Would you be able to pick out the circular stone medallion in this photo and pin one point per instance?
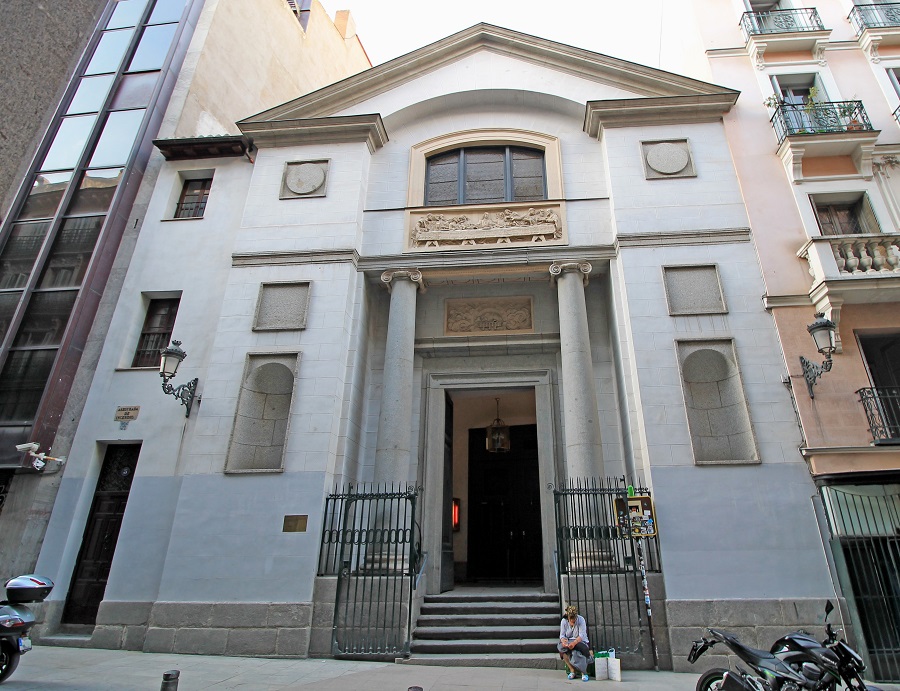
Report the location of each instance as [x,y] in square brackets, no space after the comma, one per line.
[304,178]
[667,158]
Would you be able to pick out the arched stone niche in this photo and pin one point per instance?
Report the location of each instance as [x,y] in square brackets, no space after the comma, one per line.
[263,411]
[718,416]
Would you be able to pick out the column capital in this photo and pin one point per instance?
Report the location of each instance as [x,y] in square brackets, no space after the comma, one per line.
[413,275]
[557,269]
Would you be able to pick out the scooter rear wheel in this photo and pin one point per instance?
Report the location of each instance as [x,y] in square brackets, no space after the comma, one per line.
[712,680]
[9,660]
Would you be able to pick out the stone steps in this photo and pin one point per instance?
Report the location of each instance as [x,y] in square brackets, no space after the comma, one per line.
[485,628]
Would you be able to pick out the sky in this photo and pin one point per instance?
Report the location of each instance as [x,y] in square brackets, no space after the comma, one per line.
[627,29]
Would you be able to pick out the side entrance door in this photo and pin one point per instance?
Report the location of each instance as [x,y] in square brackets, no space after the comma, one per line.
[101,534]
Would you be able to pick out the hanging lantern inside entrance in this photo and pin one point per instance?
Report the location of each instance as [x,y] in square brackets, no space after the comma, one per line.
[497,435]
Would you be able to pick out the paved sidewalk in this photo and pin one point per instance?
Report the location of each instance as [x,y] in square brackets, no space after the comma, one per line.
[49,668]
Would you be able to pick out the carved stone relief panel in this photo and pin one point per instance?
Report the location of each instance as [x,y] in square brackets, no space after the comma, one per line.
[481,316]
[667,159]
[442,228]
[304,179]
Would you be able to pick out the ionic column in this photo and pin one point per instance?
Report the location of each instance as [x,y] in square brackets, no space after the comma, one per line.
[584,454]
[392,448]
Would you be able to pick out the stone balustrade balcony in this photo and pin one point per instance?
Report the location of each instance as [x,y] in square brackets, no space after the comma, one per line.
[852,269]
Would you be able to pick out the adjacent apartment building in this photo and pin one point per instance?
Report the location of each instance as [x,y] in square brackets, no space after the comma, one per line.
[130,70]
[421,315]
[815,141]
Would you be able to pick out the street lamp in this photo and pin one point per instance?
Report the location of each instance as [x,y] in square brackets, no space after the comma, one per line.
[822,331]
[170,358]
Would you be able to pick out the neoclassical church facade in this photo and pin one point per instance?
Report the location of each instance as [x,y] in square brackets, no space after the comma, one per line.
[493,235]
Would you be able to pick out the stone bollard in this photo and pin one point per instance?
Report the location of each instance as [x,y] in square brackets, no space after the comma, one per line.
[170,680]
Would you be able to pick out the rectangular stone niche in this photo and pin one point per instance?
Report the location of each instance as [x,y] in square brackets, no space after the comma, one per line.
[483,316]
[282,306]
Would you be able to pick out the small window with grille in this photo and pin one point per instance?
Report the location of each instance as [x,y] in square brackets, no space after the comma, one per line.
[192,201]
[156,332]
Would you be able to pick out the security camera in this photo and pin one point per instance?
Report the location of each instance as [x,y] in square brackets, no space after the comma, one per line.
[30,447]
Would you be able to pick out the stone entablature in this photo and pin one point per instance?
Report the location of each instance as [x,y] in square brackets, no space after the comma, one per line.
[479,316]
[509,224]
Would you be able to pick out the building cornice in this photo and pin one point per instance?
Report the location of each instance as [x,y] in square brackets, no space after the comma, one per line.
[666,110]
[347,128]
[776,301]
[686,237]
[603,69]
[189,148]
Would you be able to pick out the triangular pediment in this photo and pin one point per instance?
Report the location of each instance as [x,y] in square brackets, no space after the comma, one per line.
[640,80]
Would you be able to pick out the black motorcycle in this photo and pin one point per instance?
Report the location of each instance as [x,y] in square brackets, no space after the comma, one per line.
[16,619]
[795,662]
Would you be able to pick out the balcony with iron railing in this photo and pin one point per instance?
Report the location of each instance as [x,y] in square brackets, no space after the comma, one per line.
[782,31]
[876,25]
[820,118]
[882,407]
[828,129]
[780,22]
[878,16]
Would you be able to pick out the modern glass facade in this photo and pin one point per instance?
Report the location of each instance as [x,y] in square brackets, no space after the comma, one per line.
[72,211]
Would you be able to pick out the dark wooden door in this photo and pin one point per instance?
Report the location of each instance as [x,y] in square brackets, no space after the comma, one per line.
[504,509]
[101,535]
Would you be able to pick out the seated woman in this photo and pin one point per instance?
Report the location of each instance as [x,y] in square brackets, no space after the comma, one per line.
[573,643]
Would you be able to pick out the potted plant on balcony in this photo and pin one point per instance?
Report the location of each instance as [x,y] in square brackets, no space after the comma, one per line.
[850,111]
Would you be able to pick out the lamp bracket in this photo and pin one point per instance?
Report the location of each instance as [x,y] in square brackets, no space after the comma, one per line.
[812,372]
[184,392]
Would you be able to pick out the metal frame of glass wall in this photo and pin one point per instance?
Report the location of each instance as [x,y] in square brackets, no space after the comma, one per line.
[63,230]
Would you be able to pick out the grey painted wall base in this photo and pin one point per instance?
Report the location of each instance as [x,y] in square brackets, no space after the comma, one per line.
[757,623]
[205,628]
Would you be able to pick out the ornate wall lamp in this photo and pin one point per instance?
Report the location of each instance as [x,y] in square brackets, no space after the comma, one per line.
[822,331]
[170,358]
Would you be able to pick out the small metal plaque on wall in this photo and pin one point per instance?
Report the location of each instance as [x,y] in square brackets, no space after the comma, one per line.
[127,413]
[295,524]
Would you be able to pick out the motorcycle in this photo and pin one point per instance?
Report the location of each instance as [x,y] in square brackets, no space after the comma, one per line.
[16,619]
[795,662]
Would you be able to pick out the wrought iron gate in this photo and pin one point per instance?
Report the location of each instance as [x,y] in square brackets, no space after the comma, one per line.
[865,529]
[599,563]
[372,543]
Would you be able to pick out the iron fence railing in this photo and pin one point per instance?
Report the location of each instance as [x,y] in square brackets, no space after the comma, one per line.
[372,542]
[599,562]
[190,209]
[865,523]
[820,118]
[877,16]
[882,407]
[780,22]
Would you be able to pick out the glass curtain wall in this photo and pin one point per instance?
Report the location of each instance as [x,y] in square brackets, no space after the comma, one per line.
[50,238]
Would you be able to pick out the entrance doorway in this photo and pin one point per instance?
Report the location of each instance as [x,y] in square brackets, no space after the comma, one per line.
[504,537]
[100,534]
